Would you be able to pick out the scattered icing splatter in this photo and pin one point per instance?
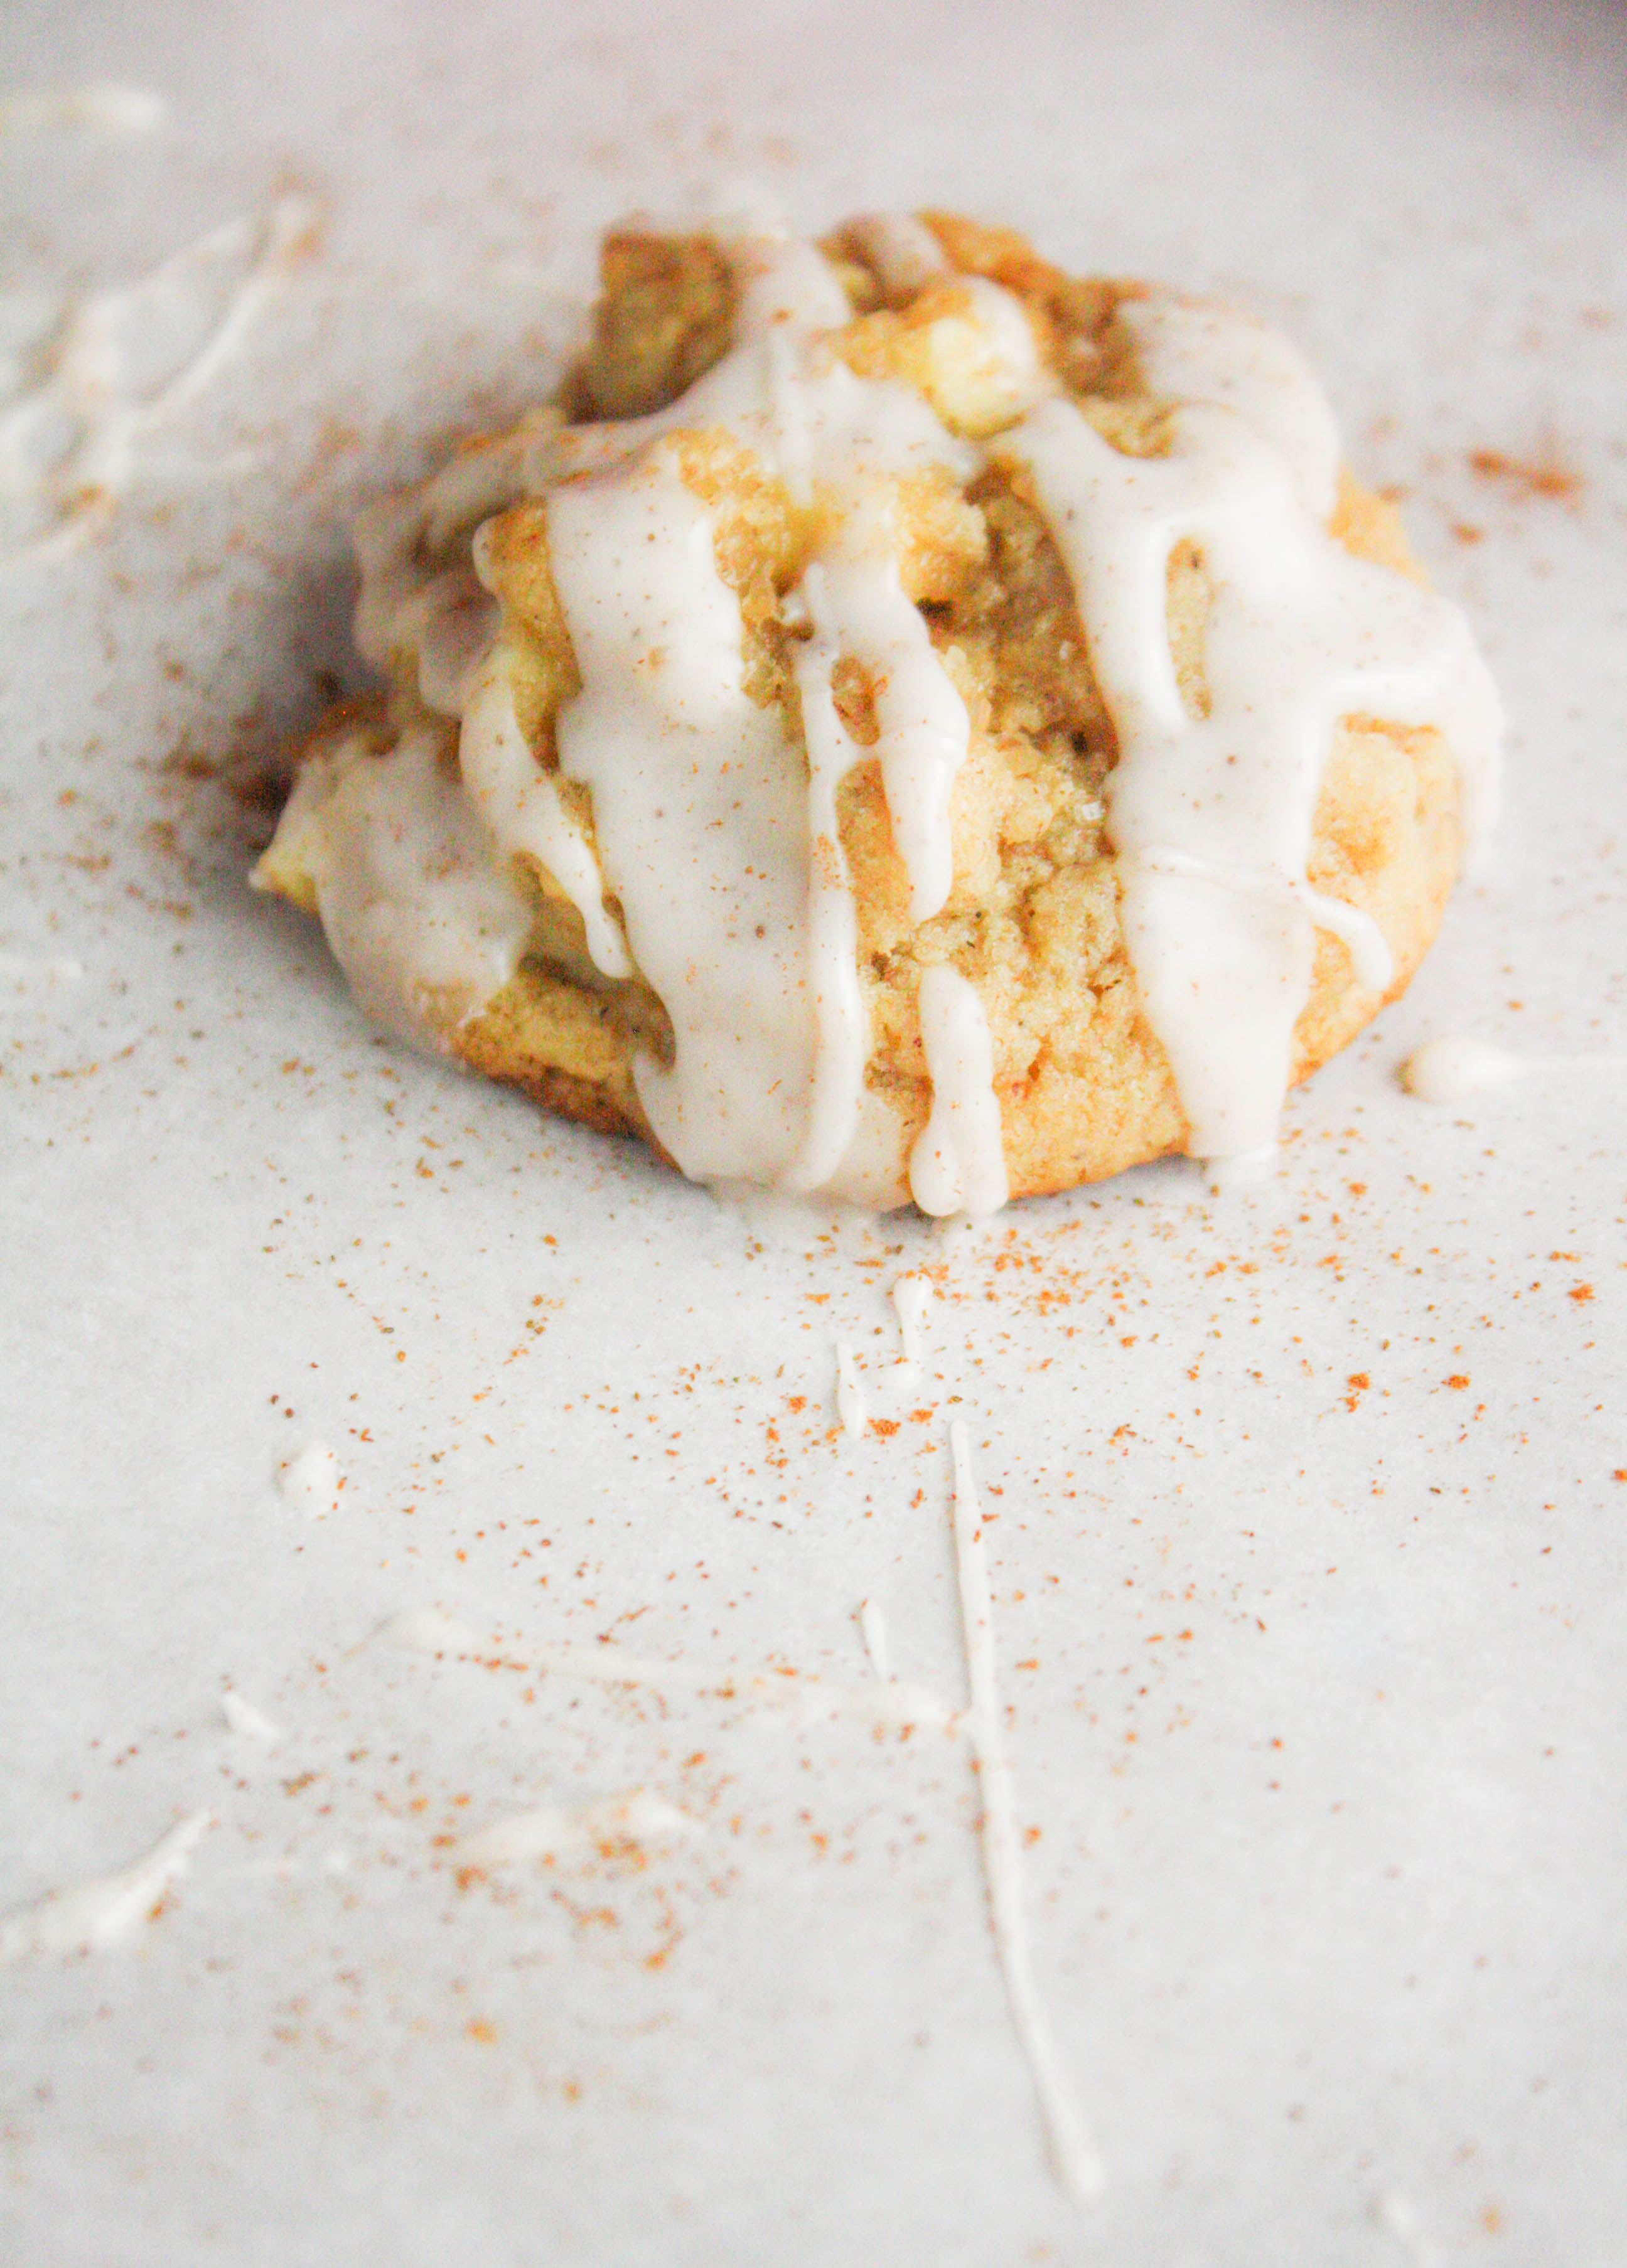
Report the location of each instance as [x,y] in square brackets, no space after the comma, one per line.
[1074,2154]
[554,1832]
[25,978]
[100,107]
[1398,2217]
[632,1821]
[850,1394]
[312,1478]
[804,1700]
[92,383]
[1451,1069]
[807,1700]
[912,1296]
[1455,1069]
[86,1917]
[243,1718]
[425,1629]
[872,1630]
[1244,1169]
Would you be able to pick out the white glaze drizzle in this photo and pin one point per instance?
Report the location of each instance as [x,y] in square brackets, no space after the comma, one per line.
[700,812]
[1399,2218]
[26,978]
[637,1821]
[850,1394]
[780,391]
[1451,1069]
[912,1299]
[412,602]
[109,373]
[249,1723]
[1240,1169]
[898,1705]
[428,1630]
[958,1164]
[1195,350]
[843,1040]
[903,251]
[1075,2156]
[311,1479]
[521,804]
[872,1630]
[770,1041]
[450,623]
[1298,635]
[1371,957]
[1455,1069]
[423,922]
[890,1703]
[100,107]
[923,730]
[87,1916]
[784,281]
[995,339]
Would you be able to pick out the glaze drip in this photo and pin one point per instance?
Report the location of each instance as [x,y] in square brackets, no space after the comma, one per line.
[426,924]
[740,911]
[1212,816]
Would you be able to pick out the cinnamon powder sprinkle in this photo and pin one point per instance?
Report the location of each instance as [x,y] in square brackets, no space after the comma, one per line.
[1547,475]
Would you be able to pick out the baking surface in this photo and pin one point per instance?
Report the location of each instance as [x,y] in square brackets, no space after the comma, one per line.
[1308,1563]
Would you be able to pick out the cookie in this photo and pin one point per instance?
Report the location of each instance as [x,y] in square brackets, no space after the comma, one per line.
[907,723]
